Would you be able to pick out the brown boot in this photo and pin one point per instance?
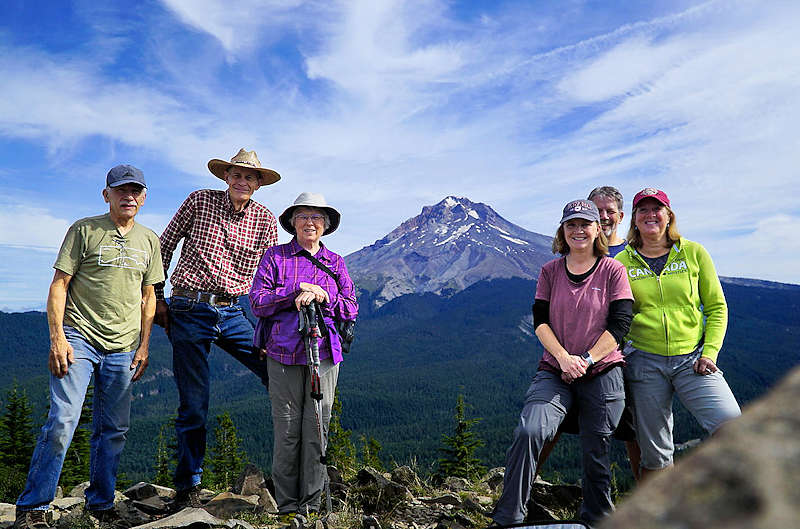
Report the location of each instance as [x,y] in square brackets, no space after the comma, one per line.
[187,498]
[30,520]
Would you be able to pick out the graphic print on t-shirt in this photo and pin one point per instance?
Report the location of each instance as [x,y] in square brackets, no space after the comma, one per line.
[122,256]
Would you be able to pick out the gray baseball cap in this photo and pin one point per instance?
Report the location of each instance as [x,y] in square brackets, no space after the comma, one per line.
[580,209]
[124,174]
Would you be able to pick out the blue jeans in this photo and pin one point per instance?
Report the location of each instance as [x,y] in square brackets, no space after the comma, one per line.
[193,328]
[111,419]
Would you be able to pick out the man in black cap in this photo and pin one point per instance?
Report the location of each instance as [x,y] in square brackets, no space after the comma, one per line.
[100,312]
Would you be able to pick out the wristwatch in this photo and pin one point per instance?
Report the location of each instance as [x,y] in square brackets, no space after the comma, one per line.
[588,357]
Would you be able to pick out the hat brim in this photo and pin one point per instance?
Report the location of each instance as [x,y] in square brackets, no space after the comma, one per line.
[265,176]
[286,217]
[584,216]
[654,197]
[128,181]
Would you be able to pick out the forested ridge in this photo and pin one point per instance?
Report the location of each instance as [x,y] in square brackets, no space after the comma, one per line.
[411,360]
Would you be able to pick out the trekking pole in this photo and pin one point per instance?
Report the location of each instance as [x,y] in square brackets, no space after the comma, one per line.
[313,314]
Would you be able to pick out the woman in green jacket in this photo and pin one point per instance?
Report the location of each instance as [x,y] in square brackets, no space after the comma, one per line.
[679,321]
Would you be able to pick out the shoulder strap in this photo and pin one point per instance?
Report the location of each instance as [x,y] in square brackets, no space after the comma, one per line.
[321,266]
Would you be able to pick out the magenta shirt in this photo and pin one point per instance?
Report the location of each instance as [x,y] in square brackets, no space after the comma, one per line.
[277,284]
[579,311]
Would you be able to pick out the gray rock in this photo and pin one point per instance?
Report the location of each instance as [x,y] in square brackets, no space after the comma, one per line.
[59,492]
[473,503]
[336,481]
[78,490]
[235,523]
[250,481]
[553,502]
[153,505]
[227,504]
[377,492]
[8,513]
[405,476]
[196,518]
[370,522]
[164,492]
[444,499]
[494,479]
[67,504]
[141,491]
[266,503]
[207,495]
[131,514]
[456,484]
[745,476]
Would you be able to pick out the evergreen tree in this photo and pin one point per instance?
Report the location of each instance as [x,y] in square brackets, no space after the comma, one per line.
[370,448]
[76,460]
[341,452]
[16,431]
[459,451]
[166,454]
[227,459]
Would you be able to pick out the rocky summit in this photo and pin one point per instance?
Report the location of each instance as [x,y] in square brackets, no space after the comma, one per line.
[368,499]
[446,248]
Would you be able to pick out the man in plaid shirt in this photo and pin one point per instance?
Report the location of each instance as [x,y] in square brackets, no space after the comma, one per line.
[224,236]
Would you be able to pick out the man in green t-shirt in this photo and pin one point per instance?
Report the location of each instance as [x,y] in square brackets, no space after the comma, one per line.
[100,312]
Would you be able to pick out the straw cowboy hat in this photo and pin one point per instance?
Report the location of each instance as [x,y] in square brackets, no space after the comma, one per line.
[246,160]
[310,200]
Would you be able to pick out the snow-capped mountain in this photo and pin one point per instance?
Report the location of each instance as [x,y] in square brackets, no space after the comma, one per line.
[446,248]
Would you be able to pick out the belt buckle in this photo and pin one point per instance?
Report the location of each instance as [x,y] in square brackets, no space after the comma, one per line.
[212,299]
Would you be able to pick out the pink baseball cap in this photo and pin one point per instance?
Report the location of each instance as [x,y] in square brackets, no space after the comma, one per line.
[651,192]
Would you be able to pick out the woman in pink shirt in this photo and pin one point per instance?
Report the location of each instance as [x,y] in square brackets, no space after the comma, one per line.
[581,313]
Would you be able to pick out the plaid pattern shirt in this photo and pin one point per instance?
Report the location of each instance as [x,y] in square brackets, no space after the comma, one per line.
[221,247]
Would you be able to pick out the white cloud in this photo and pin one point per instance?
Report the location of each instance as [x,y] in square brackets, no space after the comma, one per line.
[237,24]
[31,227]
[775,237]
[628,68]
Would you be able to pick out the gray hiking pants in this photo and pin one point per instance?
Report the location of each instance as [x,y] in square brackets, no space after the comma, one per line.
[600,401]
[296,469]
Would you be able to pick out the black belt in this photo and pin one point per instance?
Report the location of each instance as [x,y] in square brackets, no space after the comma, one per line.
[220,300]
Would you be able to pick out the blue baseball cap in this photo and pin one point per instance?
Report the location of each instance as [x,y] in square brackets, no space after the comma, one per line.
[125,174]
[580,209]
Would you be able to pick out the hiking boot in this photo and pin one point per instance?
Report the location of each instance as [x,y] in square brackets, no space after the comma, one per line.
[187,498]
[109,519]
[30,520]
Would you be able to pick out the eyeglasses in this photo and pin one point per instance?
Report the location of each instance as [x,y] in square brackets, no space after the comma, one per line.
[316,219]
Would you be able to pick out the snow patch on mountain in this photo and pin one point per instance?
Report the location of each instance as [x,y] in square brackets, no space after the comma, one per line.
[446,248]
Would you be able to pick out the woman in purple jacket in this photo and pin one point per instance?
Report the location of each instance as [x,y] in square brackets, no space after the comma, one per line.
[287,279]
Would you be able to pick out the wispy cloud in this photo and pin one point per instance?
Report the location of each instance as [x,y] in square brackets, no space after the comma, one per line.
[237,24]
[387,106]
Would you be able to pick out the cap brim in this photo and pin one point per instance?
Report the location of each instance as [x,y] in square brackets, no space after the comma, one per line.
[285,218]
[265,176]
[584,216]
[128,181]
[654,197]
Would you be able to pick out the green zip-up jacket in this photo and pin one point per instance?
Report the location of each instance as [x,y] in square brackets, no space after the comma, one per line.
[668,309]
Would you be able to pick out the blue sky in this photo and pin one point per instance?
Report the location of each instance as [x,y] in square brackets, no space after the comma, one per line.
[387,106]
